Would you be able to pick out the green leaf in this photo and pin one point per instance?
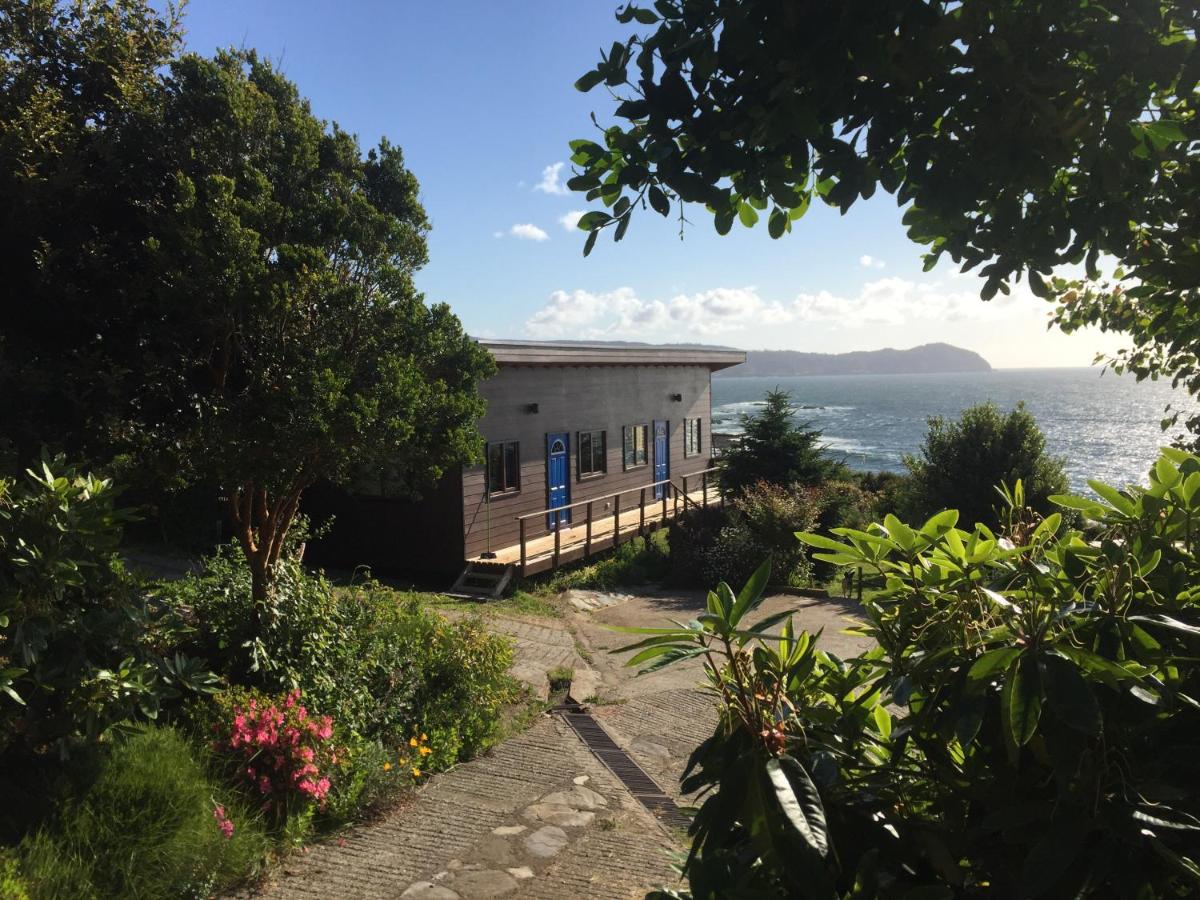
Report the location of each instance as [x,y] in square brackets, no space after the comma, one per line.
[590,242]
[1021,702]
[589,80]
[746,215]
[992,662]
[594,219]
[777,223]
[799,802]
[658,201]
[1114,497]
[751,593]
[1069,695]
[1165,621]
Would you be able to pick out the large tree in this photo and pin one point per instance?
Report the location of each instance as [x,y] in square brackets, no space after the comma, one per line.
[1021,137]
[252,317]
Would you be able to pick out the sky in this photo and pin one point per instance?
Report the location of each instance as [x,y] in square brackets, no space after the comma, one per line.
[480,97]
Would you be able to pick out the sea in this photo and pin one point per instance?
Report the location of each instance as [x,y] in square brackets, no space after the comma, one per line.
[1105,426]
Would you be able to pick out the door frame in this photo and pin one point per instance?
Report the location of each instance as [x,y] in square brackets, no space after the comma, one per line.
[562,517]
[666,461]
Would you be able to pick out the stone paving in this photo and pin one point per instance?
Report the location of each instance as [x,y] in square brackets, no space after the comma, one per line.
[540,817]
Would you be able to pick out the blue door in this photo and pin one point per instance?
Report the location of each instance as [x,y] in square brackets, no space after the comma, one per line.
[558,481]
[662,457]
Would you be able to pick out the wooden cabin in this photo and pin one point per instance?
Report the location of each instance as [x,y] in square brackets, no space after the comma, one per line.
[587,445]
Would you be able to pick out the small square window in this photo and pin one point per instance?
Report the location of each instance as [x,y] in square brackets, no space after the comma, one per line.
[504,467]
[635,445]
[593,454]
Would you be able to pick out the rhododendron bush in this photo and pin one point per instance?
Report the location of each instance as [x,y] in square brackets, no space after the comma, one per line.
[278,750]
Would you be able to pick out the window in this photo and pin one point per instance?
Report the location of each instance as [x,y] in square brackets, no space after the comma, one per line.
[691,437]
[635,445]
[592,454]
[504,467]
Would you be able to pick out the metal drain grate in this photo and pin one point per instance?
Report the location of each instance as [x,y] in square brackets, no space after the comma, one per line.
[644,789]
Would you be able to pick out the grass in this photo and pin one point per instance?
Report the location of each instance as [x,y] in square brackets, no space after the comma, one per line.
[643,560]
[144,827]
[560,678]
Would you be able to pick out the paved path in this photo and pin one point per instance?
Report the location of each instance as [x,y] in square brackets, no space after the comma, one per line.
[540,817]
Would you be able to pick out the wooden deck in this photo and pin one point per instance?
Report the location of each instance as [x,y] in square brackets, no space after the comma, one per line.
[594,532]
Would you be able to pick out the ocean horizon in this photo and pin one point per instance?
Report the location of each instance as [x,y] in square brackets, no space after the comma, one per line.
[1105,426]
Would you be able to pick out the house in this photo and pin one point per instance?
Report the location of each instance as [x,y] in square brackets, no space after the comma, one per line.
[587,445]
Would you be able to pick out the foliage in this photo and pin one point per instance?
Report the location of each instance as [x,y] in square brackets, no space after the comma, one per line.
[250,320]
[282,754]
[144,827]
[1025,727]
[1093,152]
[381,663]
[77,652]
[962,463]
[80,100]
[640,561]
[715,544]
[774,449]
[12,886]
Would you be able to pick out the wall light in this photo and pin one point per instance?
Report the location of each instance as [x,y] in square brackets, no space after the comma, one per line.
[678,398]
[531,408]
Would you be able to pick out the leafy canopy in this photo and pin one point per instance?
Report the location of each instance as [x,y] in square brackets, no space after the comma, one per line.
[1019,138]
[775,449]
[963,462]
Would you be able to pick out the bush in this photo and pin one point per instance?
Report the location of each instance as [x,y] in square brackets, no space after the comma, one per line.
[643,560]
[962,463]
[1025,726]
[77,637]
[714,545]
[145,827]
[382,665]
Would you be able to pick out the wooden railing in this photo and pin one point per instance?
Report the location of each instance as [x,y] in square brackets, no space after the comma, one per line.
[671,492]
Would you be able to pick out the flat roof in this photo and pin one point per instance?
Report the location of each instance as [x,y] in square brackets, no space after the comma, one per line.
[610,353]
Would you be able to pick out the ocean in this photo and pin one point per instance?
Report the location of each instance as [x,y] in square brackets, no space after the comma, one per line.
[1105,426]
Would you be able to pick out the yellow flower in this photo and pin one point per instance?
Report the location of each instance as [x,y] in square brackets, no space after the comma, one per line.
[416,772]
[412,742]
[424,736]
[425,751]
[387,767]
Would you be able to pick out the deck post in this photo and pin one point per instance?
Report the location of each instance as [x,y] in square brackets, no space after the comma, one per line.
[587,544]
[666,490]
[521,522]
[642,513]
[685,498]
[616,519]
[704,487]
[557,541]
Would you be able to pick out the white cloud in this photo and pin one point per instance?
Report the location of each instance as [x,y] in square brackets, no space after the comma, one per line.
[550,183]
[717,313]
[570,221]
[870,262]
[528,232]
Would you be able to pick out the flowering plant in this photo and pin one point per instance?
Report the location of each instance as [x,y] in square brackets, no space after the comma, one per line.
[279,749]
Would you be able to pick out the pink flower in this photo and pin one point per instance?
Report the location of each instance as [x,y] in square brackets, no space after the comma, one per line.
[227,827]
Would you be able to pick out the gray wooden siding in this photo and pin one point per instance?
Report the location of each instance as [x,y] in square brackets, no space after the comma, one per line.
[574,399]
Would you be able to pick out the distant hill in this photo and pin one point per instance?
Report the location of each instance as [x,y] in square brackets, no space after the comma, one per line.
[926,358]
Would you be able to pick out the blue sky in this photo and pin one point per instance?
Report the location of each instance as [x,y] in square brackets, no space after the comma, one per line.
[479,95]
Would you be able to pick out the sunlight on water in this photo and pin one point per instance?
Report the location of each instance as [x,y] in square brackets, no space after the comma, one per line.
[1106,427]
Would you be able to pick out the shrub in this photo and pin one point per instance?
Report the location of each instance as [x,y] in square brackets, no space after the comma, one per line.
[145,827]
[381,664]
[283,754]
[643,560]
[962,463]
[12,886]
[713,545]
[1026,726]
[774,449]
[76,633]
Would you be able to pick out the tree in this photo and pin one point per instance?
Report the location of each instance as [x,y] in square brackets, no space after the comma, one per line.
[1019,138]
[962,463]
[776,450]
[80,100]
[252,321]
